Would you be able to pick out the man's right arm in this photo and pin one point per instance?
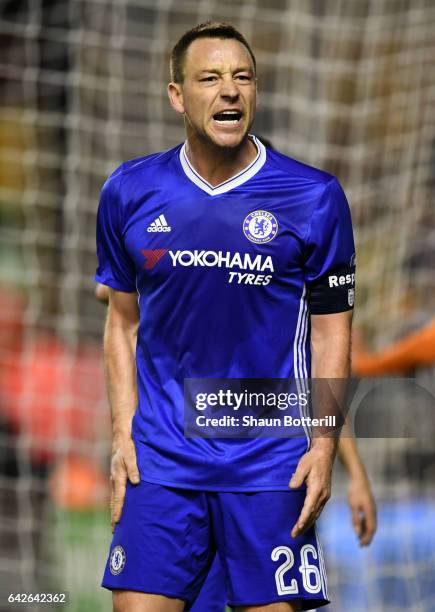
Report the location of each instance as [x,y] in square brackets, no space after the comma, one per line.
[119,356]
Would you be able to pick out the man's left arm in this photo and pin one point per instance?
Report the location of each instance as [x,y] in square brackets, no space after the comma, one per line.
[330,349]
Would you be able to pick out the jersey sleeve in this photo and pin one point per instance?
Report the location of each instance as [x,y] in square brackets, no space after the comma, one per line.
[330,254]
[115,267]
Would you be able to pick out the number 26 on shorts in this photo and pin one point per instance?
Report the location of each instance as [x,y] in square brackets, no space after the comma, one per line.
[311,578]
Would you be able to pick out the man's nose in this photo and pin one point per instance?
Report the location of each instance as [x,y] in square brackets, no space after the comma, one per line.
[229,89]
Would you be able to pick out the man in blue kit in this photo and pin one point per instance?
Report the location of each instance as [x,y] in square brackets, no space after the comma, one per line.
[224,260]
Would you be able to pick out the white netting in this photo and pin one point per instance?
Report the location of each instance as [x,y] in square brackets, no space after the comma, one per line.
[346,85]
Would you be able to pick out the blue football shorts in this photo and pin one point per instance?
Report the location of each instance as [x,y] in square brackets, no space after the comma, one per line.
[213,594]
[167,540]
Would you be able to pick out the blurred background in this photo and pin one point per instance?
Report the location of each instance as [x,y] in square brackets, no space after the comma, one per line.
[346,85]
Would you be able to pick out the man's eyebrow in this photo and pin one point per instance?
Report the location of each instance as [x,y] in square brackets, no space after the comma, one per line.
[218,71]
[244,69]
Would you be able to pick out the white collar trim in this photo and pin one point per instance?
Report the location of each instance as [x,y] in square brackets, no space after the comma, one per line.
[235,181]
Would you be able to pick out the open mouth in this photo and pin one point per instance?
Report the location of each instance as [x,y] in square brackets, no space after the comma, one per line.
[228,117]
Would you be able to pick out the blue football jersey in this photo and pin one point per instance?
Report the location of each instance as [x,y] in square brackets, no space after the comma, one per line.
[226,279]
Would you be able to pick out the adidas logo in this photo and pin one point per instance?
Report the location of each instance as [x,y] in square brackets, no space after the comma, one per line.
[159,225]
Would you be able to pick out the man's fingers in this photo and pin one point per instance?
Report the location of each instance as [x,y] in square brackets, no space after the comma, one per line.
[128,462]
[364,521]
[119,484]
[363,536]
[311,470]
[357,521]
[313,506]
[309,513]
[132,469]
[368,527]
[298,478]
[123,468]
[111,503]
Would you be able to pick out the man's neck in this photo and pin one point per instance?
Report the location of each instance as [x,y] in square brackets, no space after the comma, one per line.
[216,165]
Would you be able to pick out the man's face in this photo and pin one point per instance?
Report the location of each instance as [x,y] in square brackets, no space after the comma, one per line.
[218,95]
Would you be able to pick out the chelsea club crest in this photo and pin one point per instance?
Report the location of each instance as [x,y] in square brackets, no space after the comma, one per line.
[117,560]
[260,226]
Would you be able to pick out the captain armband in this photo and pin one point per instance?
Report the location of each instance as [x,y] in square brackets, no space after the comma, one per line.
[334,292]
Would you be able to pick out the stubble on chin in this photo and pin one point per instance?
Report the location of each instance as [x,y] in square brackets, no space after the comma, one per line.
[215,143]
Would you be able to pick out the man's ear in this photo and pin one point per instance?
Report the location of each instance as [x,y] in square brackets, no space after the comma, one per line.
[176,97]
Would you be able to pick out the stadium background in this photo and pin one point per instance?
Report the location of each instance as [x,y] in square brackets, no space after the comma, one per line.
[346,85]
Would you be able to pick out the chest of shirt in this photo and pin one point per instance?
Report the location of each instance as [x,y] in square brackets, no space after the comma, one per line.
[240,238]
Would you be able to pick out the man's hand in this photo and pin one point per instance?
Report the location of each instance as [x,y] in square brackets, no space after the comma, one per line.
[363,508]
[314,468]
[123,467]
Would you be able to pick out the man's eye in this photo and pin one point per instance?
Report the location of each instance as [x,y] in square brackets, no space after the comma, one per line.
[243,77]
[209,78]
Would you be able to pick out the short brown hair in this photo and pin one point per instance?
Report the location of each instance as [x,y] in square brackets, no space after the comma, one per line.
[209,29]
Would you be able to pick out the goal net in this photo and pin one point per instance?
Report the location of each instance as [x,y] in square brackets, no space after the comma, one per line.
[345,85]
